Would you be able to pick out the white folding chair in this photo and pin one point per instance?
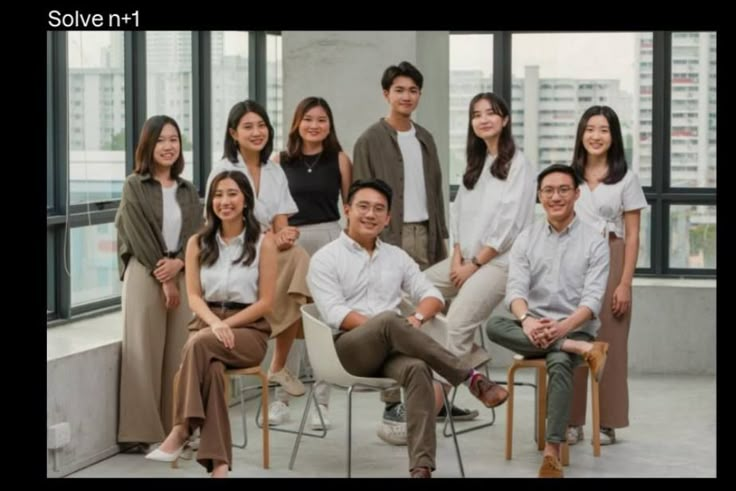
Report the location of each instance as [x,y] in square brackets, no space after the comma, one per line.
[326,365]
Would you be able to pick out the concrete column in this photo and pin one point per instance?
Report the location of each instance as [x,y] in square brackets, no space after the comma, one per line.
[345,68]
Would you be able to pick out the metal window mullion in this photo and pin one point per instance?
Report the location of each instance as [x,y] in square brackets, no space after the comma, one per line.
[257,66]
[502,65]
[135,93]
[201,104]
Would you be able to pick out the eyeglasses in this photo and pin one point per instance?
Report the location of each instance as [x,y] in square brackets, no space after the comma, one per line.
[364,208]
[549,191]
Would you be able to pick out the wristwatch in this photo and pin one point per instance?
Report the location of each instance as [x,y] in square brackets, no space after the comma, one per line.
[524,316]
[475,261]
[418,316]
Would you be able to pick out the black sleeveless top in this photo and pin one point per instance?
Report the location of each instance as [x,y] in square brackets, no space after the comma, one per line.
[314,183]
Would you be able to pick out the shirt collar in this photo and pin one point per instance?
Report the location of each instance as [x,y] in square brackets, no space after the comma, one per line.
[570,226]
[237,240]
[352,245]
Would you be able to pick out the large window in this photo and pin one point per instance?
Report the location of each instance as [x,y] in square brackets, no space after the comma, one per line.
[471,72]
[96,110]
[670,142]
[101,87]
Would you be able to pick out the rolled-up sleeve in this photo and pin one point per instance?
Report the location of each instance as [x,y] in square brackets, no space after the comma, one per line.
[519,278]
[416,283]
[515,209]
[596,276]
[326,291]
[285,204]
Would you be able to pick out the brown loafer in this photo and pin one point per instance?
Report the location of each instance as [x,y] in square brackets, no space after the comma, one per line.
[421,472]
[550,467]
[596,358]
[488,392]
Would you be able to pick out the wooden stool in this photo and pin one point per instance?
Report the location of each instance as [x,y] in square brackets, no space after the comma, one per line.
[254,371]
[540,364]
[241,372]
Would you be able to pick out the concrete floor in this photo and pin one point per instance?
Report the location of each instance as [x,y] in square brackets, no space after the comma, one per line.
[672,434]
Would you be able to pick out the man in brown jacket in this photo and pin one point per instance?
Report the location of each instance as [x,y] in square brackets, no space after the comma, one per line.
[403,154]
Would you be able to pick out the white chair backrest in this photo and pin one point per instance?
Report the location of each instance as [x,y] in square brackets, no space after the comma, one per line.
[323,357]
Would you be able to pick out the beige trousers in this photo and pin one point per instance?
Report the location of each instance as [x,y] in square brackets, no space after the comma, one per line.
[152,341]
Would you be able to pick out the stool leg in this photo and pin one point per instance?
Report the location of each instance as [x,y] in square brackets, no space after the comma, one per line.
[510,410]
[264,412]
[595,403]
[541,407]
[565,453]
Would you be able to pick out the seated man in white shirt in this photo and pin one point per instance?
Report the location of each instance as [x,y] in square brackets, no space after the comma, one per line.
[356,282]
[557,276]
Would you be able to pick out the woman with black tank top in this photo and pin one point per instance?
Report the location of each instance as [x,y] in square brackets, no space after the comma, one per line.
[317,170]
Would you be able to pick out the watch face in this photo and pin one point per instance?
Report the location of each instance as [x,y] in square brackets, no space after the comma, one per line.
[418,316]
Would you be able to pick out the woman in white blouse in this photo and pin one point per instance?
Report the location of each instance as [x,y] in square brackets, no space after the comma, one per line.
[493,204]
[247,147]
[611,199]
[231,278]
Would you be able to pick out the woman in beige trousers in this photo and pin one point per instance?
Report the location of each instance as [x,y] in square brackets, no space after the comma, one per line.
[158,213]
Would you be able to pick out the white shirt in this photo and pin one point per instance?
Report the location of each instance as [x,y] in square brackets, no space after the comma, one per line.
[415,192]
[343,277]
[273,197]
[171,228]
[227,282]
[495,211]
[604,207]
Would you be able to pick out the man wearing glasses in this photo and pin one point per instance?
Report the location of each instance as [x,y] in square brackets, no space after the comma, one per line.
[558,271]
[357,282]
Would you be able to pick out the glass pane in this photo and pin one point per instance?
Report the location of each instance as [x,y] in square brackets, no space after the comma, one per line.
[96,116]
[94,265]
[471,65]
[692,236]
[275,88]
[50,273]
[229,81]
[693,116]
[556,77]
[169,83]
[645,239]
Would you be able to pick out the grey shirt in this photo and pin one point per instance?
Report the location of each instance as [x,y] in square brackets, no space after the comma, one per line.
[558,272]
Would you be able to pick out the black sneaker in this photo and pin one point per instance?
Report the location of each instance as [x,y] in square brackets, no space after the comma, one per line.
[458,414]
[397,414]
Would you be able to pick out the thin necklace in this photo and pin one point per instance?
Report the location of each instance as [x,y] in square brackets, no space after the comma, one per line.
[311,166]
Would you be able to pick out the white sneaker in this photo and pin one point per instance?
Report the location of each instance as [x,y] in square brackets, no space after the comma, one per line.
[608,436]
[278,413]
[392,433]
[315,422]
[574,434]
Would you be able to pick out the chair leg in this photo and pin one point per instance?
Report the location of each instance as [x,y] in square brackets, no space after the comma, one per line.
[510,410]
[264,409]
[448,409]
[349,428]
[301,428]
[541,407]
[595,403]
[175,464]
[243,415]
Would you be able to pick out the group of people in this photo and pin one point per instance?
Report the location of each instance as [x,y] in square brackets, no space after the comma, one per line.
[245,270]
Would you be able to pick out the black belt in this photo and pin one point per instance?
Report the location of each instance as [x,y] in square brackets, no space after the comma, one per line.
[171,255]
[228,305]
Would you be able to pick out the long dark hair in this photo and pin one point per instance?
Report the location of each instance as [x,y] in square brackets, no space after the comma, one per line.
[294,144]
[239,110]
[476,149]
[144,161]
[209,252]
[615,157]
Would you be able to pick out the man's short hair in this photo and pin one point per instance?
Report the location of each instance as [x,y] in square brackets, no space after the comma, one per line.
[373,183]
[565,169]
